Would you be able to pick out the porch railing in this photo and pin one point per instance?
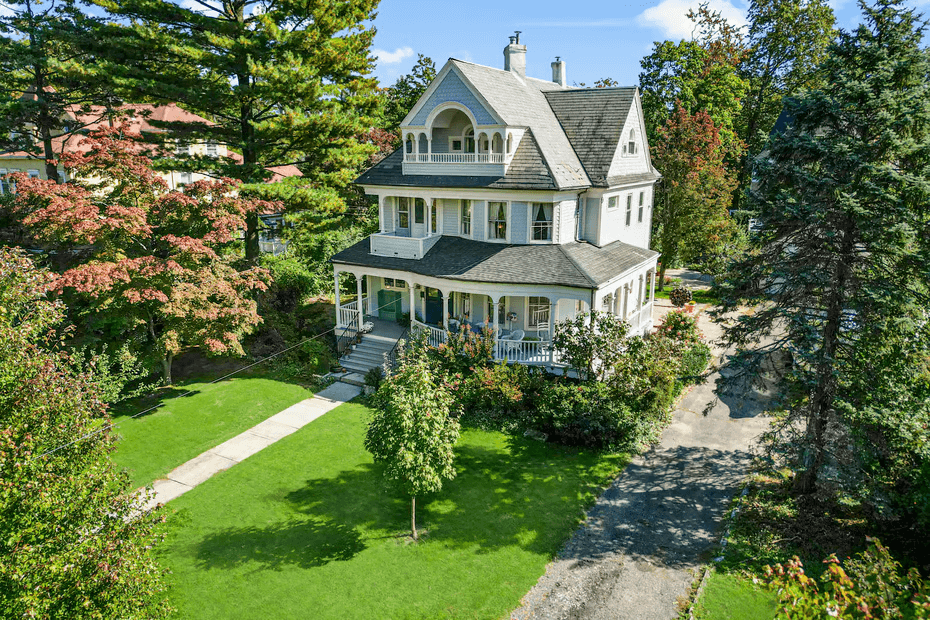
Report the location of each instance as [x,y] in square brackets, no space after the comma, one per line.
[436,337]
[455,158]
[524,351]
[640,318]
[349,316]
[390,358]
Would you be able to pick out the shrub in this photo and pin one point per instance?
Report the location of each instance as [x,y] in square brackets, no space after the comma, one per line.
[679,296]
[291,283]
[584,414]
[694,361]
[680,327]
[591,343]
[464,351]
[870,586]
[374,377]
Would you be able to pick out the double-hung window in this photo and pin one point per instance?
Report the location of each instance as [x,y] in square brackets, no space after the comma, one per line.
[542,221]
[465,208]
[640,215]
[629,208]
[497,220]
[182,148]
[419,210]
[537,312]
[403,212]
[184,178]
[211,149]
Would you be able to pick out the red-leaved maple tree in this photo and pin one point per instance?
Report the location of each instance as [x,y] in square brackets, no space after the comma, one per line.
[162,259]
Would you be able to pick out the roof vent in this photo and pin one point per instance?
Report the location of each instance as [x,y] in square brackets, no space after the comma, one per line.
[515,56]
[558,72]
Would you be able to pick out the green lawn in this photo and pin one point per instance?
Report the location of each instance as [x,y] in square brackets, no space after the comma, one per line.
[728,596]
[306,528]
[157,442]
[698,296]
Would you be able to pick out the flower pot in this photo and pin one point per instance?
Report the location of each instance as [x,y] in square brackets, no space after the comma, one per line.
[689,307]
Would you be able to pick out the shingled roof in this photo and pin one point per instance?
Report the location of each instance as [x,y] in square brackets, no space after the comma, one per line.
[592,119]
[578,265]
[527,170]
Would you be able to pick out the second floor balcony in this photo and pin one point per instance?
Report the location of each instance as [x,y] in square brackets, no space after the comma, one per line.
[398,246]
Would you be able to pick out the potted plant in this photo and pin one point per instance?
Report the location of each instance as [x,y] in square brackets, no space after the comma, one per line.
[679,296]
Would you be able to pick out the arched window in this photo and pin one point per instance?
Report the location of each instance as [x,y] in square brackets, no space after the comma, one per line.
[470,140]
[410,143]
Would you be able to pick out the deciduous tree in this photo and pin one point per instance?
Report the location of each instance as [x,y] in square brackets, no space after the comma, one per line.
[157,258]
[72,542]
[690,217]
[411,432]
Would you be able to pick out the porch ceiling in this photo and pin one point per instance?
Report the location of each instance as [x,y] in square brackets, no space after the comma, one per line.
[578,265]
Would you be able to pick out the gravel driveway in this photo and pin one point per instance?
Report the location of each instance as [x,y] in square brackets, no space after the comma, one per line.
[639,549]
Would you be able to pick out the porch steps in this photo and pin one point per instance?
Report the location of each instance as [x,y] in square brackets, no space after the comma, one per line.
[368,354]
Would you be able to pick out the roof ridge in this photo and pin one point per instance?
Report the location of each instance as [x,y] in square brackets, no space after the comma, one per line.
[580,269]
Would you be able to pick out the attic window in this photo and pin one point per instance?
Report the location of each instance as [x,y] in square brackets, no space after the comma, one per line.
[631,147]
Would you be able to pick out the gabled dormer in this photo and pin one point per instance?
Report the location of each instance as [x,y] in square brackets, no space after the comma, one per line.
[453,130]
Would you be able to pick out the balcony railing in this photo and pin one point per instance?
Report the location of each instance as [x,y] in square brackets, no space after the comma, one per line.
[455,158]
[388,244]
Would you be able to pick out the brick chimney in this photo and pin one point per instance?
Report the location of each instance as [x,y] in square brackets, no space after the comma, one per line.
[515,56]
[558,72]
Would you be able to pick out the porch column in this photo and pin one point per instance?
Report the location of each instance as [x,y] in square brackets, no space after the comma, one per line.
[336,276]
[553,306]
[382,214]
[361,309]
[626,301]
[429,217]
[496,313]
[413,307]
[445,311]
[652,292]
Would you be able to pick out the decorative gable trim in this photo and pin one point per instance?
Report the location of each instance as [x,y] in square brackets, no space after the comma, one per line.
[436,84]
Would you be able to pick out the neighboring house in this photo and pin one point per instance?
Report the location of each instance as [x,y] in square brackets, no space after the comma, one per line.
[139,117]
[514,202]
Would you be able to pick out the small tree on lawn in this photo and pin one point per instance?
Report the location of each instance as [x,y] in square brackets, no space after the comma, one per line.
[591,340]
[411,433]
[161,260]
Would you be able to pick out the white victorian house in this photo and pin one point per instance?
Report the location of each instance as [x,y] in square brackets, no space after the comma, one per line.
[514,203]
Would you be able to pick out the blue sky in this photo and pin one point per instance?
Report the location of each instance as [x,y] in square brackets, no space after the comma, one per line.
[595,38]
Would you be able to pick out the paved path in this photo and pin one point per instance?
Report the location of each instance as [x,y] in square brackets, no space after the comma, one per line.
[200,468]
[640,547]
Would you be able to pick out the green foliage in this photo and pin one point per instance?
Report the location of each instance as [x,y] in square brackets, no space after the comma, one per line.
[681,327]
[374,377]
[851,169]
[591,343]
[871,585]
[403,95]
[730,596]
[586,414]
[72,542]
[119,375]
[465,351]
[282,84]
[694,361]
[291,282]
[411,433]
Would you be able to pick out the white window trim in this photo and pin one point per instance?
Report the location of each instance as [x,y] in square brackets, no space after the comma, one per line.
[33,174]
[471,218]
[529,224]
[487,221]
[461,141]
[438,220]
[628,213]
[393,287]
[526,312]
[397,225]
[616,205]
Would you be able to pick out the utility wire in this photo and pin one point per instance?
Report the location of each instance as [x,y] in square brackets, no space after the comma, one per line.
[189,392]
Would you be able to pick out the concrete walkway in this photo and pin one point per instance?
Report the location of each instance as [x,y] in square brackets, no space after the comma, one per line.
[639,549]
[200,468]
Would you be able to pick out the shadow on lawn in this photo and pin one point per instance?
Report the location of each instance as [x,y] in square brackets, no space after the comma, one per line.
[527,496]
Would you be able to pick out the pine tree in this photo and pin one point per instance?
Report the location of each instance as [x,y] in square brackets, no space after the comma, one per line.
[282,83]
[841,270]
[47,83]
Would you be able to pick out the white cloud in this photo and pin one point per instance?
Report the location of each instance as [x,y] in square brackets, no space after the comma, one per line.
[390,58]
[671,16]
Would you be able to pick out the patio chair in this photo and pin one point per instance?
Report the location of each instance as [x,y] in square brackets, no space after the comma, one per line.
[513,344]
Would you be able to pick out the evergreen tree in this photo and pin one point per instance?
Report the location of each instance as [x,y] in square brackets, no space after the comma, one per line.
[282,83]
[47,83]
[840,275]
[787,41]
[72,541]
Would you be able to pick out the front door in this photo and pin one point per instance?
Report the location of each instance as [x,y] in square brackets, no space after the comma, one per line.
[389,305]
[433,306]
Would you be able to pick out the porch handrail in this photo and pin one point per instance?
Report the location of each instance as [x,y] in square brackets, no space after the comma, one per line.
[525,351]
[436,335]
[349,315]
[390,358]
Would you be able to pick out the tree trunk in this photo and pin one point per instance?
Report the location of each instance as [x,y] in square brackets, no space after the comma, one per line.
[661,283]
[413,517]
[822,401]
[166,367]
